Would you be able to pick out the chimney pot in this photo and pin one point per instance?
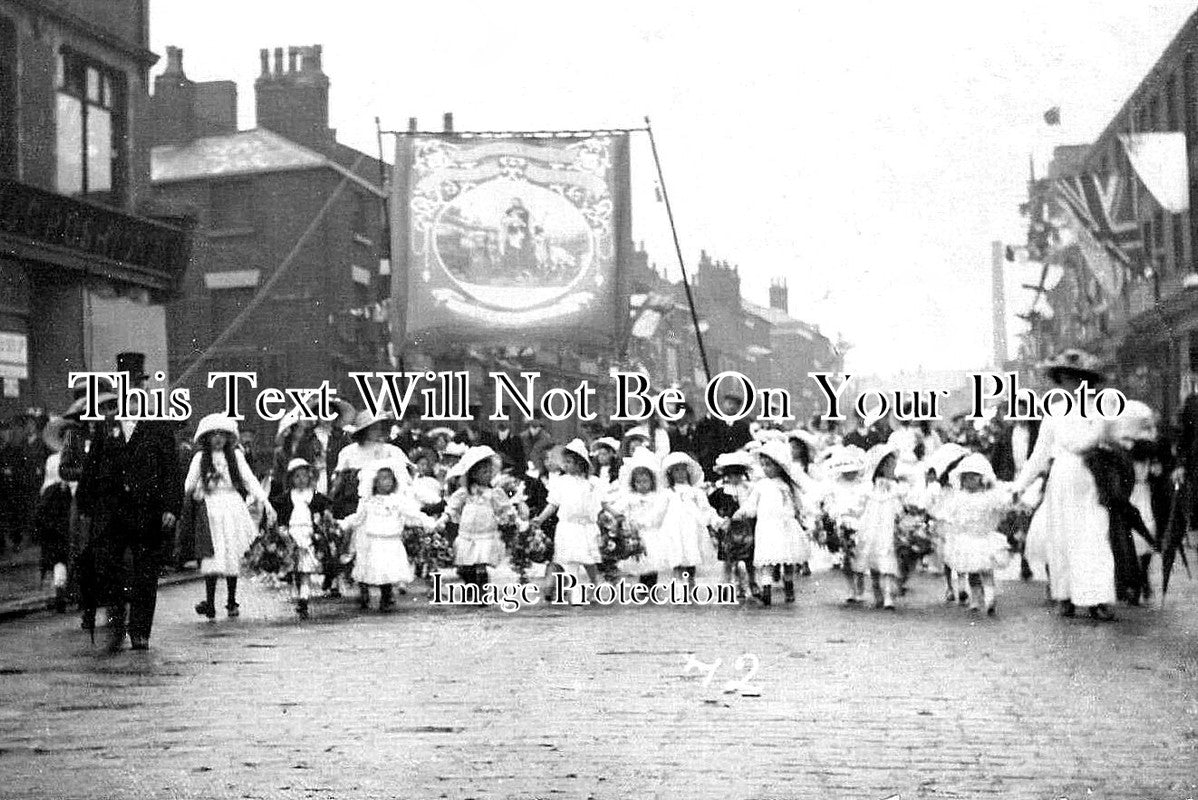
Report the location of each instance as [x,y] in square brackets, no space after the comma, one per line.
[292,53]
[264,54]
[448,122]
[317,51]
[174,59]
[278,61]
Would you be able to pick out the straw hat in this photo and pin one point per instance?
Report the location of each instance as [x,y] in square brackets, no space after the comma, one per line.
[973,464]
[213,423]
[642,459]
[55,432]
[579,448]
[694,471]
[472,458]
[778,451]
[734,460]
[606,441]
[1073,362]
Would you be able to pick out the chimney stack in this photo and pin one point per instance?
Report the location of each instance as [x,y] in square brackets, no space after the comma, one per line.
[779,295]
[413,126]
[448,122]
[174,60]
[264,54]
[295,103]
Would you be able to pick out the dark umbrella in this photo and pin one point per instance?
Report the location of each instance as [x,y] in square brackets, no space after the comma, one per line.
[1174,534]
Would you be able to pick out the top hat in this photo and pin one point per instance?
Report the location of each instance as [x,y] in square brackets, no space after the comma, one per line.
[134,364]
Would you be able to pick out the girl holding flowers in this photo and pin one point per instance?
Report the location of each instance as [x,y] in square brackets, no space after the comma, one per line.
[642,508]
[305,515]
[876,546]
[481,512]
[689,517]
[779,541]
[970,513]
[576,499]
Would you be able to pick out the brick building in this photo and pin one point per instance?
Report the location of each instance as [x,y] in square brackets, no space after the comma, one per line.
[1147,331]
[283,195]
[86,259]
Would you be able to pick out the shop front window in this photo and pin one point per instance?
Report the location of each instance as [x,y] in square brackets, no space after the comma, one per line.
[90,120]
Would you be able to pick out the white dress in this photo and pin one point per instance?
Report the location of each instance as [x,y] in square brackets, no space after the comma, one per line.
[843,502]
[478,512]
[644,513]
[300,529]
[232,528]
[778,537]
[358,455]
[970,521]
[875,537]
[378,528]
[1070,530]
[578,501]
[685,527]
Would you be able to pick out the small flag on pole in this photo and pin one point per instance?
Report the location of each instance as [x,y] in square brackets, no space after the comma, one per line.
[1053,115]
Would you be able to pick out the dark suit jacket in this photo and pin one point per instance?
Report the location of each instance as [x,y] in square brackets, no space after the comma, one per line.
[714,437]
[1002,454]
[681,442]
[126,487]
[512,449]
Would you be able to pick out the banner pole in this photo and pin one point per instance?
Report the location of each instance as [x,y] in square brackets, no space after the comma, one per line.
[686,284]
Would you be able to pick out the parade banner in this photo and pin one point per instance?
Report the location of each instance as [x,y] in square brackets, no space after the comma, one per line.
[510,238]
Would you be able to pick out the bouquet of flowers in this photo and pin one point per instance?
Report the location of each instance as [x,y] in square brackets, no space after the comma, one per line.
[326,543]
[618,540]
[272,555]
[429,550]
[1014,525]
[914,534]
[525,547]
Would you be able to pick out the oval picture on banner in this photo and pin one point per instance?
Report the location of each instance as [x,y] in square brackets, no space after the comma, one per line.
[513,244]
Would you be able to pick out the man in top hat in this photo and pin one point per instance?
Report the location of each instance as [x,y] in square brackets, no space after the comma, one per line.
[129,496]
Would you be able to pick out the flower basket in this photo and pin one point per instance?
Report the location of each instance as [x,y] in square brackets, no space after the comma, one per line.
[914,535]
[1014,526]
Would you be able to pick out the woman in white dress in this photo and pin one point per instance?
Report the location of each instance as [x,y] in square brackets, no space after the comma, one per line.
[1070,530]
[222,480]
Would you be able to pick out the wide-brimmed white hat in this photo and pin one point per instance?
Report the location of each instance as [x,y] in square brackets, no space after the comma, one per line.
[346,413]
[76,409]
[975,464]
[447,432]
[1137,423]
[642,459]
[806,437]
[213,423]
[738,458]
[1076,362]
[876,455]
[472,458]
[778,451]
[297,463]
[606,441]
[693,470]
[944,457]
[55,432]
[579,448]
[365,420]
[455,450]
[845,459]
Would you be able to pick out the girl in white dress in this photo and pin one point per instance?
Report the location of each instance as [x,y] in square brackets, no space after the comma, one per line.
[843,503]
[1070,530]
[576,498]
[779,541]
[969,513]
[642,505]
[480,511]
[384,511]
[220,477]
[689,517]
[876,550]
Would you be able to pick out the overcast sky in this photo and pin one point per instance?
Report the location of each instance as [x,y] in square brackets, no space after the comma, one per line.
[868,152]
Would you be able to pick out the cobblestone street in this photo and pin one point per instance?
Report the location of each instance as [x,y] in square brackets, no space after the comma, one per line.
[599,702]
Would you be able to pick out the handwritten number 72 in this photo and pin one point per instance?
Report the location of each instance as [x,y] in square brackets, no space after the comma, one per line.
[747,663]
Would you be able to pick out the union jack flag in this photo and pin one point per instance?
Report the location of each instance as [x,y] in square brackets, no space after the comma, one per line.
[1092,201]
